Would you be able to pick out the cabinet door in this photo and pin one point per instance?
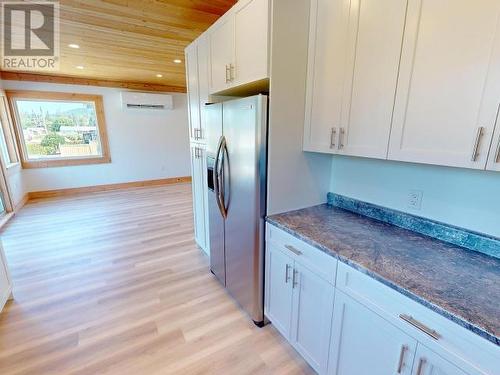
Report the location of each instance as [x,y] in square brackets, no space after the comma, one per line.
[279,268]
[447,97]
[222,54]
[354,53]
[362,342]
[373,53]
[429,363]
[251,24]
[494,158]
[494,82]
[5,283]
[193,95]
[198,195]
[325,73]
[203,79]
[312,317]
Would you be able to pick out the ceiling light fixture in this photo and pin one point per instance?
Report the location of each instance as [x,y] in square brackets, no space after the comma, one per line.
[73,45]
[79,67]
[159,75]
[177,61]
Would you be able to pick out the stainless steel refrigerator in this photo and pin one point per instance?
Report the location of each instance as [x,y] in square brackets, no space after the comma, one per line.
[236,165]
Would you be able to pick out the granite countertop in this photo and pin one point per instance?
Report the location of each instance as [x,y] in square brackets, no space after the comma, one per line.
[460,284]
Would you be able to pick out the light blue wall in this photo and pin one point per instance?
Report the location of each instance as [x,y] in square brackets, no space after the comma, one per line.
[462,197]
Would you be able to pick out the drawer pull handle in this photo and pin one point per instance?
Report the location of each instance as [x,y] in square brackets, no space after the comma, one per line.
[415,323]
[341,139]
[420,368]
[333,134]
[293,250]
[479,135]
[497,153]
[294,279]
[401,362]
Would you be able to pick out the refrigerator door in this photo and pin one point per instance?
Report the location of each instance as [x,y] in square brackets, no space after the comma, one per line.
[213,131]
[215,220]
[244,162]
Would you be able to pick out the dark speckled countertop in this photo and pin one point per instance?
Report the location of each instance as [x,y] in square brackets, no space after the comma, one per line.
[461,284]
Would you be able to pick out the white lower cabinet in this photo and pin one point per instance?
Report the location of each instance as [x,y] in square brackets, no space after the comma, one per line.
[278,290]
[428,362]
[200,196]
[311,316]
[299,304]
[344,322]
[5,282]
[362,342]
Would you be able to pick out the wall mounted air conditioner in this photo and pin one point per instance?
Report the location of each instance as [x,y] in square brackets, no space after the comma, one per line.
[145,100]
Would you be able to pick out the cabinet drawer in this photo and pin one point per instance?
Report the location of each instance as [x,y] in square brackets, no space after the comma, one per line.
[469,351]
[314,259]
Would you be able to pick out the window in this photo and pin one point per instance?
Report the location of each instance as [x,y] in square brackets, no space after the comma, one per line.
[59,129]
[8,147]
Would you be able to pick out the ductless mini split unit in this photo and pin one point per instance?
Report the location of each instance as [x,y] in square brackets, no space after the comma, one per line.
[146,101]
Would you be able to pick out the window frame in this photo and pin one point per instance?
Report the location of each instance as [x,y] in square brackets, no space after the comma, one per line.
[9,133]
[27,163]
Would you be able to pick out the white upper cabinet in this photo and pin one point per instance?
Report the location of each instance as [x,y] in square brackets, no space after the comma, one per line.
[193,94]
[494,155]
[494,158]
[203,82]
[354,53]
[325,73]
[222,54]
[251,23]
[239,46]
[197,79]
[449,88]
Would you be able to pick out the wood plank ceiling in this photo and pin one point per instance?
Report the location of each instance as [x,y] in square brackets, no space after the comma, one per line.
[132,41]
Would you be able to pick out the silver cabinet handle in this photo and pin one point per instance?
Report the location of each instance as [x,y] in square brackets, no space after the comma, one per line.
[497,153]
[287,277]
[333,135]
[420,367]
[228,77]
[293,250]
[401,362]
[475,150]
[231,72]
[422,327]
[294,278]
[341,138]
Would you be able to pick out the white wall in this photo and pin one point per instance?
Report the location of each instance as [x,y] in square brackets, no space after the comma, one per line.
[463,197]
[144,145]
[295,179]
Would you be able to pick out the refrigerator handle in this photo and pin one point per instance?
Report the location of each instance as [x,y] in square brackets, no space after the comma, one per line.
[217,176]
[222,183]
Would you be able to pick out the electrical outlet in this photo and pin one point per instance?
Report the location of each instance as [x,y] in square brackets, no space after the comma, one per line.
[415,199]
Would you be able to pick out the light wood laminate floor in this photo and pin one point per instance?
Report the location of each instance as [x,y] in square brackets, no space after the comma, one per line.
[114,283]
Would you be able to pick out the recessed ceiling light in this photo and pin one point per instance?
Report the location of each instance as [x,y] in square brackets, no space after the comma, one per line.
[73,45]
[177,61]
[79,67]
[159,75]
